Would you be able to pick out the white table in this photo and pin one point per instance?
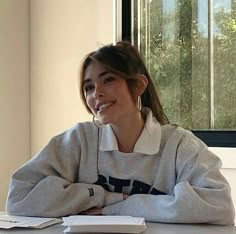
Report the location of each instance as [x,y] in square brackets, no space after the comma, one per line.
[152,228]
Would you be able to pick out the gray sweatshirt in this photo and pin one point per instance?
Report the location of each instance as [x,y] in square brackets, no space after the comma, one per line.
[170,177]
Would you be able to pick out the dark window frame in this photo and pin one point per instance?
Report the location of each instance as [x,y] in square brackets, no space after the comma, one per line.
[213,138]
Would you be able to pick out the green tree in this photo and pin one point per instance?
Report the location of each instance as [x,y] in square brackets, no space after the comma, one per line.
[177,57]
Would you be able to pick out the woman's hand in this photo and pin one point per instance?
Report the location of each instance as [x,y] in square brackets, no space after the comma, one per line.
[98,211]
[93,211]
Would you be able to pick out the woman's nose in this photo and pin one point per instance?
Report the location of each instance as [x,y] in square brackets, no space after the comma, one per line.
[98,92]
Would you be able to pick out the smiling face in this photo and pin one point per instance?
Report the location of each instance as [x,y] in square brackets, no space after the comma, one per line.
[107,95]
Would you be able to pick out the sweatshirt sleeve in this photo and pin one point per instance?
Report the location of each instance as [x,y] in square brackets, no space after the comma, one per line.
[201,194]
[48,185]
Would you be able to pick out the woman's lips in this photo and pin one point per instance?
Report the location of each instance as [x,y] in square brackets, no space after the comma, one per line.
[104,106]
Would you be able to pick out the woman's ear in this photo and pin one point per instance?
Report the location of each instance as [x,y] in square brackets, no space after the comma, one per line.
[141,84]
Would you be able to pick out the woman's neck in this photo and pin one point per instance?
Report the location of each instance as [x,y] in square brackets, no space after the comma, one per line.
[127,132]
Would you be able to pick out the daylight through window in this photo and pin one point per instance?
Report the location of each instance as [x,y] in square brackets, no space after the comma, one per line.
[190,49]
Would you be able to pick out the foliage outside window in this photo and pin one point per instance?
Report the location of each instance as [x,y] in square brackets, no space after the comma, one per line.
[190,49]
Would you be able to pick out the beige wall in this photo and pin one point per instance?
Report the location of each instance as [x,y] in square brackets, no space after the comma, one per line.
[14,89]
[61,33]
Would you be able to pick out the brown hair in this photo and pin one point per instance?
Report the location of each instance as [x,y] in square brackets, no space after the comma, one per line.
[124,60]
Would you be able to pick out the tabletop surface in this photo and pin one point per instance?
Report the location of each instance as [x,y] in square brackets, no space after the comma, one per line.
[157,228]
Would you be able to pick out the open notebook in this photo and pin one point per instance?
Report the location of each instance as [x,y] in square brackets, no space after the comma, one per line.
[104,224]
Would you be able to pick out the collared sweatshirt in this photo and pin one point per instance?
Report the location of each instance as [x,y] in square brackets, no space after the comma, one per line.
[171,177]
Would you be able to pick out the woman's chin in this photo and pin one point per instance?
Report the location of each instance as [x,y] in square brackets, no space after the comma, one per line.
[104,121]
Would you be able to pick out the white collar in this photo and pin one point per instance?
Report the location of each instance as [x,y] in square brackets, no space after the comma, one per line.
[147,143]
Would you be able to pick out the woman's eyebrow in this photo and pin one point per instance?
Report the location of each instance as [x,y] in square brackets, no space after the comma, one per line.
[103,73]
[87,80]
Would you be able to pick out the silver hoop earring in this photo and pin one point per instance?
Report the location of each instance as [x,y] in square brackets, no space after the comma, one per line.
[96,122]
[139,103]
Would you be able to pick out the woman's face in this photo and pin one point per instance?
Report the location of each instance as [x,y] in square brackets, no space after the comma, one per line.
[107,95]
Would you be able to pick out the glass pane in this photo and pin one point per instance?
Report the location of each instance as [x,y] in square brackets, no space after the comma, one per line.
[225,63]
[193,65]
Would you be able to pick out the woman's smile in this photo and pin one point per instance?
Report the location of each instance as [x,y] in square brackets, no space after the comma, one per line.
[101,107]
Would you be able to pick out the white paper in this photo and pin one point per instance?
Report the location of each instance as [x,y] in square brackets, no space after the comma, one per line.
[7,221]
[7,224]
[112,224]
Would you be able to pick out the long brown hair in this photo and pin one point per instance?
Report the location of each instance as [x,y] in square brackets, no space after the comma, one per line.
[124,60]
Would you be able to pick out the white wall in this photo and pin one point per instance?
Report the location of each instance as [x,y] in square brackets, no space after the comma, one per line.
[62,33]
[14,89]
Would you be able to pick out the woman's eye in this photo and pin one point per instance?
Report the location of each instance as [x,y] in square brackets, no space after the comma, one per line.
[88,88]
[109,79]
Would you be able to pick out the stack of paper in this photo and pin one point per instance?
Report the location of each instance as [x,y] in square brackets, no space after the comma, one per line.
[111,224]
[7,221]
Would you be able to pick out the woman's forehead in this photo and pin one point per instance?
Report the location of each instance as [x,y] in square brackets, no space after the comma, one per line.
[94,67]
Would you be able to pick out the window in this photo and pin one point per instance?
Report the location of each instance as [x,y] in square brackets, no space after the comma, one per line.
[189,47]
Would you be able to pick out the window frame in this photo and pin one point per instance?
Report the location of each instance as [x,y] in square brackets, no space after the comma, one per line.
[212,138]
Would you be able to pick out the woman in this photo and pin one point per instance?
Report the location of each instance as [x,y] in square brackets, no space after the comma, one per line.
[130,161]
